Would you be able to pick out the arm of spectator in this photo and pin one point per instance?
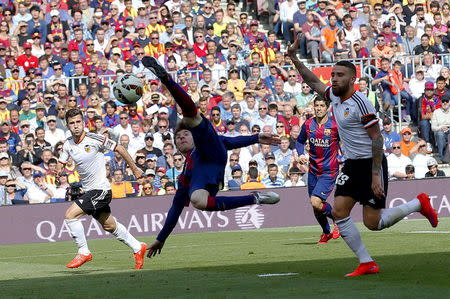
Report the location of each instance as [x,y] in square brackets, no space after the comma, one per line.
[322,21]
[416,147]
[378,80]
[281,70]
[308,76]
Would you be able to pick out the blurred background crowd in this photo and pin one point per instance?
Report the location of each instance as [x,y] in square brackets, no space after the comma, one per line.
[231,59]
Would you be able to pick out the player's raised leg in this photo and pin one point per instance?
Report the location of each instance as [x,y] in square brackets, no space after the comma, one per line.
[76,229]
[181,97]
[381,219]
[110,224]
[203,200]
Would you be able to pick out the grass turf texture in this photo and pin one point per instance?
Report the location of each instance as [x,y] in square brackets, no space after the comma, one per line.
[227,264]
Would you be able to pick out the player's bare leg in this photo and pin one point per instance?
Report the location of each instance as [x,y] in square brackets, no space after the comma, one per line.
[76,229]
[110,224]
[202,200]
[322,210]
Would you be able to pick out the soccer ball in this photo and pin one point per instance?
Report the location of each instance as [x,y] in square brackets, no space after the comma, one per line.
[128,89]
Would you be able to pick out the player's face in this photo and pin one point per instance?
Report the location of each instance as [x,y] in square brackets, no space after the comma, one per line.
[342,80]
[76,125]
[320,109]
[184,141]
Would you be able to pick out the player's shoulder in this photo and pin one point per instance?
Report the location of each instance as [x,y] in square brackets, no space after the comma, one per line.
[95,137]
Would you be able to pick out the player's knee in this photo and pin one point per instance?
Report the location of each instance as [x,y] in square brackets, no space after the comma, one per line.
[371,225]
[316,204]
[339,214]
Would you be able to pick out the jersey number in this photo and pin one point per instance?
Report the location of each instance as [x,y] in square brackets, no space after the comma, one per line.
[342,178]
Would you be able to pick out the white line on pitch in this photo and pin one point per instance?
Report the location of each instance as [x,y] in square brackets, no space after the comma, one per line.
[277,274]
[428,232]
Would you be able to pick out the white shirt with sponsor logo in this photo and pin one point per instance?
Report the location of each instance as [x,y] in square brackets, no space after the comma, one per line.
[89,159]
[353,116]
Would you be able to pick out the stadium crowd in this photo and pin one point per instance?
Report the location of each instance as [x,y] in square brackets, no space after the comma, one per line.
[58,55]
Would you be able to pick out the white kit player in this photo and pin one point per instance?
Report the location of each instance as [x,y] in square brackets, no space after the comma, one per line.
[363,178]
[87,149]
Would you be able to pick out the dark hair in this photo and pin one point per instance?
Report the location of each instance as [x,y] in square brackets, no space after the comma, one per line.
[440,78]
[169,184]
[52,161]
[253,172]
[270,166]
[348,65]
[72,113]
[111,104]
[409,168]
[272,106]
[294,170]
[320,98]
[365,79]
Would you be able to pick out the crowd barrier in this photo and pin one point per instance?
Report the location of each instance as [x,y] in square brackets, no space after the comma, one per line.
[146,216]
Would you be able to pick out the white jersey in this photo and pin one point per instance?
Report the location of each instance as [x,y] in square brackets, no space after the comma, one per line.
[89,159]
[353,116]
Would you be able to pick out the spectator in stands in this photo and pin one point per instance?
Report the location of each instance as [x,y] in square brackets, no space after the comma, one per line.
[409,148]
[424,47]
[381,50]
[11,138]
[420,159]
[174,172]
[235,183]
[119,187]
[232,162]
[147,189]
[62,185]
[389,135]
[432,70]
[441,89]
[295,178]
[397,162]
[253,182]
[273,180]
[263,118]
[39,191]
[433,169]
[52,133]
[440,124]
[410,172]
[428,103]
[411,41]
[328,35]
[284,154]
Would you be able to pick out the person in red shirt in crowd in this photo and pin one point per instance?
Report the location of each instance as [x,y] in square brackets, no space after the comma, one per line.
[27,60]
[114,17]
[133,114]
[428,103]
[440,87]
[253,35]
[217,122]
[200,46]
[243,26]
[124,43]
[288,119]
[78,42]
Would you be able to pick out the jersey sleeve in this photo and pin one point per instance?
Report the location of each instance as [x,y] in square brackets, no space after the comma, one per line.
[365,110]
[301,140]
[104,144]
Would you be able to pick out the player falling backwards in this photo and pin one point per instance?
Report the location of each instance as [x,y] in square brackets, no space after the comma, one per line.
[206,157]
[321,132]
[87,149]
[363,178]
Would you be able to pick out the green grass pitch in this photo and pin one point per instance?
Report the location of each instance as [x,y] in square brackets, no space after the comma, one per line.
[414,260]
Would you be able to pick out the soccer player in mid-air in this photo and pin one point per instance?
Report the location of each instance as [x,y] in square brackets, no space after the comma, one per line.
[321,133]
[206,157]
[87,149]
[363,178]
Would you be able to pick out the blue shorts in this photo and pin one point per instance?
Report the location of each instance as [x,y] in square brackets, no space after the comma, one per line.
[321,185]
[210,157]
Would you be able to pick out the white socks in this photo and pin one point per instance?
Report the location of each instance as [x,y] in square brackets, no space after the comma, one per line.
[393,215]
[124,236]
[77,231]
[352,237]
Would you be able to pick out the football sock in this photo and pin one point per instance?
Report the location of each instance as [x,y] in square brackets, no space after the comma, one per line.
[222,203]
[125,237]
[323,221]
[326,210]
[393,215]
[77,232]
[181,97]
[352,237]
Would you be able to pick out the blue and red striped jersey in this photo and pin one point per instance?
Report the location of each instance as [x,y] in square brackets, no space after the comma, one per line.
[323,145]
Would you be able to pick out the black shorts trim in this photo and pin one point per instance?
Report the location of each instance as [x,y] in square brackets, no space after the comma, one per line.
[355,181]
[95,202]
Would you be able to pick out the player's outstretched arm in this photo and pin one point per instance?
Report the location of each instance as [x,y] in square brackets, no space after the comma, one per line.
[171,221]
[309,77]
[126,156]
[243,141]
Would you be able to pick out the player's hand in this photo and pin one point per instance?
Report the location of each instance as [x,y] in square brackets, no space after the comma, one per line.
[155,248]
[137,172]
[376,185]
[269,138]
[302,159]
[292,50]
